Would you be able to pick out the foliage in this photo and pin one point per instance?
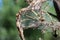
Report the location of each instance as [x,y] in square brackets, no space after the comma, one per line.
[8,30]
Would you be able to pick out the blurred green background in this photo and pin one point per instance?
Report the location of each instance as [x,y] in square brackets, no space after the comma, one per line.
[8,10]
[8,30]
